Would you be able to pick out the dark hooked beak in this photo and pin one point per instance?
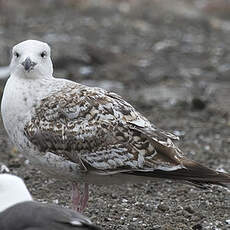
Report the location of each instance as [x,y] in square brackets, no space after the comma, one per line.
[28,64]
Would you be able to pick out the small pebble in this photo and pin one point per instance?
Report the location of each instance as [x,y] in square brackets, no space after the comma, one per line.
[197,227]
[156,227]
[15,162]
[114,196]
[107,219]
[163,207]
[198,104]
[189,209]
[124,201]
[132,227]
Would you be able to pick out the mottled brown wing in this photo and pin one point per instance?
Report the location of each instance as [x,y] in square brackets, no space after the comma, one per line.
[91,125]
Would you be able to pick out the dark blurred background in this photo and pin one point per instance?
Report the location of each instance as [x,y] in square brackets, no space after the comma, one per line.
[171,60]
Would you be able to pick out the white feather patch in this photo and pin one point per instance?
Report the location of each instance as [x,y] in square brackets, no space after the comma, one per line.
[76,223]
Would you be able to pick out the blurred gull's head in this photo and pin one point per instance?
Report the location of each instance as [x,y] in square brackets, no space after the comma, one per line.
[12,191]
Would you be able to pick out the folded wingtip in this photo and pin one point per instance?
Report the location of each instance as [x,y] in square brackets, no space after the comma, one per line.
[192,172]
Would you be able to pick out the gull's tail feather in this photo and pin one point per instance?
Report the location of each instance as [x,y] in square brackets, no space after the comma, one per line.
[191,172]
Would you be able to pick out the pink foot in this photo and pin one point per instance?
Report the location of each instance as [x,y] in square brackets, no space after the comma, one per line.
[79,198]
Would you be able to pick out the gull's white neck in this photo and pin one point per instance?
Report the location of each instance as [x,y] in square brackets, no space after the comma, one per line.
[20,96]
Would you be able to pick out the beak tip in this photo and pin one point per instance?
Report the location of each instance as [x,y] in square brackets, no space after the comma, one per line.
[28,64]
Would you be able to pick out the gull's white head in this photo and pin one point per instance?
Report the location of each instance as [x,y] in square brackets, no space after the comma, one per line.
[12,191]
[31,59]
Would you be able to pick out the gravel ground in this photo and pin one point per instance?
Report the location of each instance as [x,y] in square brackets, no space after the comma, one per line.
[171,60]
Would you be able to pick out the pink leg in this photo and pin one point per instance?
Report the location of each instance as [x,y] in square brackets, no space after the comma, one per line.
[80,199]
[75,196]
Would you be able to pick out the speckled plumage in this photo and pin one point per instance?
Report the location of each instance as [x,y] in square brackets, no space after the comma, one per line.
[91,125]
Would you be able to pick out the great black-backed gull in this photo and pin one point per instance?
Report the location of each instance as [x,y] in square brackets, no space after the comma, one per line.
[18,211]
[85,134]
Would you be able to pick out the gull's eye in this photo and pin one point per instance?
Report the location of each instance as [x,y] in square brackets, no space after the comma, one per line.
[16,54]
[43,54]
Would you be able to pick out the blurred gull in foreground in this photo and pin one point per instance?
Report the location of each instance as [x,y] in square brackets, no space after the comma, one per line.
[85,134]
[18,211]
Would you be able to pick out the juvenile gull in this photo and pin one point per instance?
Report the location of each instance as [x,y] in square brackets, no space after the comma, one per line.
[18,211]
[85,134]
